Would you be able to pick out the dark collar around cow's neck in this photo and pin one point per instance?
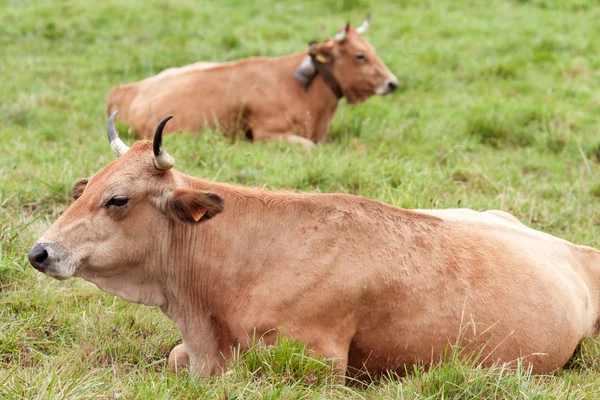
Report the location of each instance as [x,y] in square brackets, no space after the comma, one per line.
[310,67]
[328,77]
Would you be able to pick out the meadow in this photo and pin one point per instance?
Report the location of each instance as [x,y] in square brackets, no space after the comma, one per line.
[498,108]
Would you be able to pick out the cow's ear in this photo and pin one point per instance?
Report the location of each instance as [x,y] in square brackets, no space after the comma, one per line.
[78,188]
[320,52]
[194,205]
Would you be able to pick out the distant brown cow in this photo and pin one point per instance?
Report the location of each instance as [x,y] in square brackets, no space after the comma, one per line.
[357,280]
[292,97]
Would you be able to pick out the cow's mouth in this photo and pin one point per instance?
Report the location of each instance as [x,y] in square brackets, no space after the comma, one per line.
[59,277]
[60,274]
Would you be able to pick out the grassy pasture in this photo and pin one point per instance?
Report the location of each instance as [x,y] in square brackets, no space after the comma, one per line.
[498,107]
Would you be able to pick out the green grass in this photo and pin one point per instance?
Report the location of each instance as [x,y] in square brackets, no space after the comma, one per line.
[498,108]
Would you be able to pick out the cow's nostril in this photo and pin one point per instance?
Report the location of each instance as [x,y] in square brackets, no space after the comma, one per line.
[37,256]
[392,86]
[41,257]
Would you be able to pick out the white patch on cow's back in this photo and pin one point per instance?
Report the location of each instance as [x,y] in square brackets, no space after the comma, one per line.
[478,218]
[187,68]
[174,71]
[506,216]
[466,215]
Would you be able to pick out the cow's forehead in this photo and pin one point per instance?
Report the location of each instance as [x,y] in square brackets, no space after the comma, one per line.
[130,165]
[355,43]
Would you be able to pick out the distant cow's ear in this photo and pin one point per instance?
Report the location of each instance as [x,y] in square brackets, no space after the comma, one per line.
[320,52]
[78,188]
[194,205]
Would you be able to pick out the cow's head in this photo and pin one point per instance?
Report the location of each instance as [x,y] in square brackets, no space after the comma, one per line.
[122,217]
[352,63]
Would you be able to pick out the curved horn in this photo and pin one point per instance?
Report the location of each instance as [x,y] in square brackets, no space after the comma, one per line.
[342,35]
[365,25]
[117,145]
[162,159]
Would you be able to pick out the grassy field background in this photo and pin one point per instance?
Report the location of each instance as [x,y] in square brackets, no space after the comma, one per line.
[498,108]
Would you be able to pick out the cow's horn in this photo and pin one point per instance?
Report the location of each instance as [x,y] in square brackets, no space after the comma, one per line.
[162,159]
[365,25]
[342,35]
[116,144]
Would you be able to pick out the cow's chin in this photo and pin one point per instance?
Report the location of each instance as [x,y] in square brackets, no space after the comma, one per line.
[383,90]
[61,272]
[59,277]
[358,98]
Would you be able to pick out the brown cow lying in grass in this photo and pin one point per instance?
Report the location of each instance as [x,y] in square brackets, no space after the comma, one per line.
[292,97]
[370,285]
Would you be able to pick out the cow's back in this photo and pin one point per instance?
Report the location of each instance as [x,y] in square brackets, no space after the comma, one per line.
[203,94]
[256,96]
[120,98]
[182,91]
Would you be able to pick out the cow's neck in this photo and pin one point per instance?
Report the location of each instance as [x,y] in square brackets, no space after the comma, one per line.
[215,263]
[323,71]
[319,100]
[323,89]
[135,284]
[326,88]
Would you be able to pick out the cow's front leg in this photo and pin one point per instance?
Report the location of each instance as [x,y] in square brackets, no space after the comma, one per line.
[179,358]
[307,143]
[335,352]
[261,136]
[200,351]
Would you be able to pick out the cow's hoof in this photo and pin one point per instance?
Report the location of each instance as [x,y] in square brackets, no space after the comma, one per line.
[179,358]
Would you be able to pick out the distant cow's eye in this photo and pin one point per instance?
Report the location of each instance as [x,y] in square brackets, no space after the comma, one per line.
[117,201]
[360,56]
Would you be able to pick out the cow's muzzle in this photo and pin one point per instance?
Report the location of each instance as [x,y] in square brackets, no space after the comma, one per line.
[388,86]
[38,257]
[47,258]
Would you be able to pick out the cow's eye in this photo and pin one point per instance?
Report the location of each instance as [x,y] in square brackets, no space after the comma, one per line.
[117,201]
[360,56]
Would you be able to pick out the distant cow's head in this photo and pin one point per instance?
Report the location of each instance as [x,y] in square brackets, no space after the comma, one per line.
[123,216]
[352,63]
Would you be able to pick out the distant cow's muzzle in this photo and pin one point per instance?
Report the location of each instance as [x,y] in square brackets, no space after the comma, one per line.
[49,259]
[388,86]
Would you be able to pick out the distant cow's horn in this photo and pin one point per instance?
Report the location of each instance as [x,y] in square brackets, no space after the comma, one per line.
[342,35]
[365,25]
[117,145]
[162,159]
